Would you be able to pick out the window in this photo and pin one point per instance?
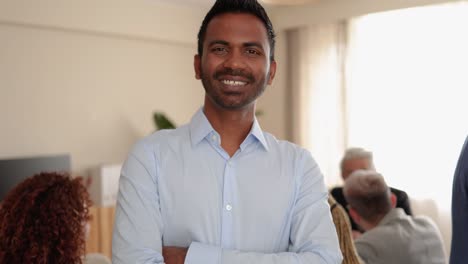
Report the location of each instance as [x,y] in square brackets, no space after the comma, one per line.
[407,95]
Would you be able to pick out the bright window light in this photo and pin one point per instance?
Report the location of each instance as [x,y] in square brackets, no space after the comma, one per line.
[407,95]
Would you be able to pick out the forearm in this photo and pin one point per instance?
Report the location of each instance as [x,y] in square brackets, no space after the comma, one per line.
[208,254]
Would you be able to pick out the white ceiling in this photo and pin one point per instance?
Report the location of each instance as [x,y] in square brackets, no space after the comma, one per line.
[208,3]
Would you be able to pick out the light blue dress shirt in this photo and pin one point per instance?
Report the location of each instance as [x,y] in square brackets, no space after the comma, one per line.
[265,204]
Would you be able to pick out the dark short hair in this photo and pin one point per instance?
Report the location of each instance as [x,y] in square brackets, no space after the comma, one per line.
[238,6]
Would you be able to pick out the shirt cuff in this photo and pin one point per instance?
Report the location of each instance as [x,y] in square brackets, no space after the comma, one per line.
[202,253]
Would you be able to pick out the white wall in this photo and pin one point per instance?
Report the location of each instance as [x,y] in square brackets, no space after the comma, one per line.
[85,80]
[89,95]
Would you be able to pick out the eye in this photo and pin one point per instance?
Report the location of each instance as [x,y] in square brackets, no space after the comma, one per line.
[219,50]
[253,52]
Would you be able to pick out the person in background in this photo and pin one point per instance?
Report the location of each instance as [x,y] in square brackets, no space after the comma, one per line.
[343,230]
[459,246]
[391,235]
[220,189]
[361,159]
[44,220]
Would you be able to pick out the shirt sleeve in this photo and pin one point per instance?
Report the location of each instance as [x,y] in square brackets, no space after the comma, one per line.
[313,237]
[138,225]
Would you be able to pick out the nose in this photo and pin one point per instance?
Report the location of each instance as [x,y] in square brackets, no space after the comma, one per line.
[234,60]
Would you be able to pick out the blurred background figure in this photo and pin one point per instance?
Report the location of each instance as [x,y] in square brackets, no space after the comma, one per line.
[391,235]
[361,159]
[343,230]
[44,219]
[459,250]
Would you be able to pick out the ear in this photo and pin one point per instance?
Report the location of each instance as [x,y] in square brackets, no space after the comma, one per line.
[354,215]
[272,73]
[393,200]
[197,66]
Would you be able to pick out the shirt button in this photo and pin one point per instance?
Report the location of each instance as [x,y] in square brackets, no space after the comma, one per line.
[228,207]
[213,137]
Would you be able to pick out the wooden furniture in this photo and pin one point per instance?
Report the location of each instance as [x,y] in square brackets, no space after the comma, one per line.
[100,237]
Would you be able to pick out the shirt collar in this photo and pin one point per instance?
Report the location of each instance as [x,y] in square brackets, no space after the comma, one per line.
[200,128]
[257,132]
[395,213]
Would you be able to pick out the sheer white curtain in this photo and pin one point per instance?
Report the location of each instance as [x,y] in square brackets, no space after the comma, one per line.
[407,91]
[315,71]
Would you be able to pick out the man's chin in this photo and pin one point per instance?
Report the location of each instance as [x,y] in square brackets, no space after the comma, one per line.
[236,106]
[232,107]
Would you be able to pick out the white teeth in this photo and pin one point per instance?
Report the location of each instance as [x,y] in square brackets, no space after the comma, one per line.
[234,83]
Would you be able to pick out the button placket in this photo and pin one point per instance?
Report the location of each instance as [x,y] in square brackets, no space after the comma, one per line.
[228,199]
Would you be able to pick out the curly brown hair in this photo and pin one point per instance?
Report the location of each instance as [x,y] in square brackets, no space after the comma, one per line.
[43,219]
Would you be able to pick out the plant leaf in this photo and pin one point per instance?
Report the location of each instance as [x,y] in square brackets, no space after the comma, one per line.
[162,122]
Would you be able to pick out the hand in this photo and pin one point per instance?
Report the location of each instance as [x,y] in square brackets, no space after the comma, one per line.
[174,255]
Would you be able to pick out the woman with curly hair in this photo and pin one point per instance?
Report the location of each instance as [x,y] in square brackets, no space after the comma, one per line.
[44,219]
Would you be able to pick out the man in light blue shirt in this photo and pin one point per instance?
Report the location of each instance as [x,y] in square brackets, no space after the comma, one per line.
[219,189]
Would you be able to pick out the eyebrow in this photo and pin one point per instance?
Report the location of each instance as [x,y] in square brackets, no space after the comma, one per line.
[247,44]
[253,44]
[214,42]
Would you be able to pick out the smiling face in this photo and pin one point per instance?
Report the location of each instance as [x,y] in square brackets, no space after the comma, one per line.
[235,67]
